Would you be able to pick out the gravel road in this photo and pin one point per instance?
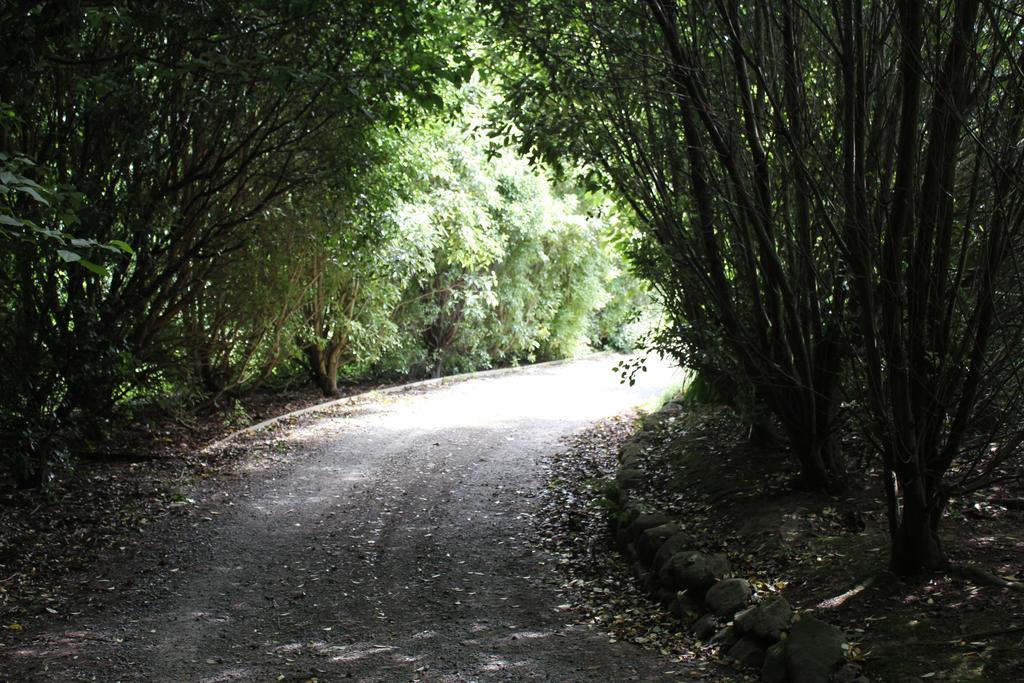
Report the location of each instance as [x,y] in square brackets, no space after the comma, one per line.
[397,546]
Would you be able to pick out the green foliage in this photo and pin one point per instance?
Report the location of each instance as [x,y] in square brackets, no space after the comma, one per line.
[170,133]
[821,200]
[749,276]
[633,313]
[355,258]
[447,217]
[54,208]
[518,267]
[200,200]
[552,276]
[699,390]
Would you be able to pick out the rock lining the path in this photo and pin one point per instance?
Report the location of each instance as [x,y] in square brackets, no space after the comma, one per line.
[674,544]
[767,619]
[766,636]
[814,650]
[728,596]
[694,571]
[651,540]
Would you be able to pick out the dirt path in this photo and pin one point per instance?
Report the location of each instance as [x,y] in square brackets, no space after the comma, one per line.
[397,547]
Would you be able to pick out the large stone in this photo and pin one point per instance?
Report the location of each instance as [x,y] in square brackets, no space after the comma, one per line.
[704,627]
[684,607]
[725,638]
[655,421]
[814,650]
[640,571]
[652,539]
[645,521]
[629,478]
[666,596]
[666,568]
[647,438]
[774,668]
[628,511]
[635,524]
[766,619]
[694,571]
[631,462]
[650,582]
[630,451]
[728,596]
[671,408]
[748,652]
[848,673]
[676,543]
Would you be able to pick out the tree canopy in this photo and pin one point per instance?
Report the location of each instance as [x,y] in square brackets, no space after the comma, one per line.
[830,198]
[198,200]
[201,199]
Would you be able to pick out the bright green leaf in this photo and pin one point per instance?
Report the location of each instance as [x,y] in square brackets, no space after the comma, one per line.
[32,192]
[123,246]
[89,265]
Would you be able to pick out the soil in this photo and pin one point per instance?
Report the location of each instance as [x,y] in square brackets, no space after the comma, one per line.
[114,494]
[828,554]
[597,581]
[390,538]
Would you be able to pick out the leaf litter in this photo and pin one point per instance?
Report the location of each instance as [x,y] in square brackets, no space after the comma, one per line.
[597,582]
[825,554]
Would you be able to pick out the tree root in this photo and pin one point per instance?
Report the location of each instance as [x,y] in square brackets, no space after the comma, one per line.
[984,577]
[854,590]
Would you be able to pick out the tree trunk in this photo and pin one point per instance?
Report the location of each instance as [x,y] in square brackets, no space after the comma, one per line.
[33,461]
[323,367]
[211,383]
[808,418]
[330,382]
[916,548]
[820,461]
[33,468]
